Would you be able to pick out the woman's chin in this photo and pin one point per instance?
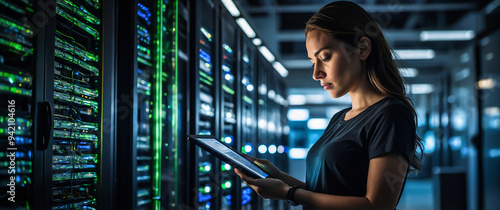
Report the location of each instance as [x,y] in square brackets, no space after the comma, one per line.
[336,94]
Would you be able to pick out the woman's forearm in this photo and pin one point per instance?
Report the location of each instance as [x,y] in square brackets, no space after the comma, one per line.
[291,181]
[324,201]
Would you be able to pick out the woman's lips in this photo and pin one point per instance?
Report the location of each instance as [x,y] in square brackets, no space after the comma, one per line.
[326,85]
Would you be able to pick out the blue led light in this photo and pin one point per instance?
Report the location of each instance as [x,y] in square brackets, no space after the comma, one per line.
[248,148]
[226,68]
[246,191]
[205,56]
[245,196]
[228,139]
[202,198]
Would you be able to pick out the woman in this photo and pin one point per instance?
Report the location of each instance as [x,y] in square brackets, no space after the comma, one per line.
[362,159]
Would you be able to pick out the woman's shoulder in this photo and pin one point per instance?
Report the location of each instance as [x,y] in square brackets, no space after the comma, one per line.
[391,105]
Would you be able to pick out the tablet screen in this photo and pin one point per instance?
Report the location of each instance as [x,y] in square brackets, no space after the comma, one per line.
[230,155]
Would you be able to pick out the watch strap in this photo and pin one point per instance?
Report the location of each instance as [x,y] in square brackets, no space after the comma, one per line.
[290,199]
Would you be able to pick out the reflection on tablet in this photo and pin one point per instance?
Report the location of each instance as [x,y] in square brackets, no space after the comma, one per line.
[218,149]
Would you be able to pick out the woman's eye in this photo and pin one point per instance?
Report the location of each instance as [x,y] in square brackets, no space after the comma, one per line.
[327,58]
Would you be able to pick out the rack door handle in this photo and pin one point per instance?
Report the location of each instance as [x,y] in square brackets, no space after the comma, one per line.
[45,124]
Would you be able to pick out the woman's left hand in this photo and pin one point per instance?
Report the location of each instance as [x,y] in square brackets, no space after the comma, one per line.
[267,188]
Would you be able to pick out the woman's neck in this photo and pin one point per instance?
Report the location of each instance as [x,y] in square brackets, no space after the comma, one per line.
[364,96]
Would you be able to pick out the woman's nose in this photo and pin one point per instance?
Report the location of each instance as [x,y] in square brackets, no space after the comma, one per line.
[317,73]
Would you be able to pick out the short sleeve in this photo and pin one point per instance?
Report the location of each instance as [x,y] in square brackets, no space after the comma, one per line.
[392,131]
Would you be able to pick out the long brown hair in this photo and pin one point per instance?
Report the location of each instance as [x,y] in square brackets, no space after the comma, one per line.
[348,22]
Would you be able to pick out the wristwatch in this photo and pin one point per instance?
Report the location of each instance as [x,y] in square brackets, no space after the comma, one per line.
[290,196]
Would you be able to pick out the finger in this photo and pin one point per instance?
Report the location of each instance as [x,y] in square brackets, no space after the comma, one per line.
[245,178]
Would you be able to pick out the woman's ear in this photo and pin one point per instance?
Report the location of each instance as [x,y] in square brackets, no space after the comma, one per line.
[365,47]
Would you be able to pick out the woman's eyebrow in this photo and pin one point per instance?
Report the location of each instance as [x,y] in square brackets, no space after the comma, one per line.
[317,52]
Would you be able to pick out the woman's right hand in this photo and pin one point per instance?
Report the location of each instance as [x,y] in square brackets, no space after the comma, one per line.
[269,167]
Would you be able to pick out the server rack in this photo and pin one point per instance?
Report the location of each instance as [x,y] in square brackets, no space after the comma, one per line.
[279,143]
[271,112]
[222,102]
[77,105]
[204,109]
[263,111]
[489,123]
[19,46]
[77,160]
[248,109]
[67,148]
[230,96]
[174,110]
[139,104]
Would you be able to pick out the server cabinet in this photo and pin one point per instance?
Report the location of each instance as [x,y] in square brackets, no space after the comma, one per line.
[265,123]
[490,119]
[463,127]
[223,102]
[270,122]
[276,147]
[19,47]
[175,19]
[248,110]
[204,108]
[67,147]
[139,104]
[230,95]
[77,160]
[280,141]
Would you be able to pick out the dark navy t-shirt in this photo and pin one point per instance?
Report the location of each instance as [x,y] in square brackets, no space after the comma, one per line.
[338,162]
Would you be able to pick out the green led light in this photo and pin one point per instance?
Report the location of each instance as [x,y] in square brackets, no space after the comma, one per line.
[78,23]
[205,81]
[206,189]
[143,61]
[157,106]
[247,99]
[94,3]
[60,43]
[1,130]
[225,167]
[80,11]
[12,7]
[175,92]
[206,76]
[227,48]
[226,185]
[16,48]
[16,27]
[227,89]
[206,33]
